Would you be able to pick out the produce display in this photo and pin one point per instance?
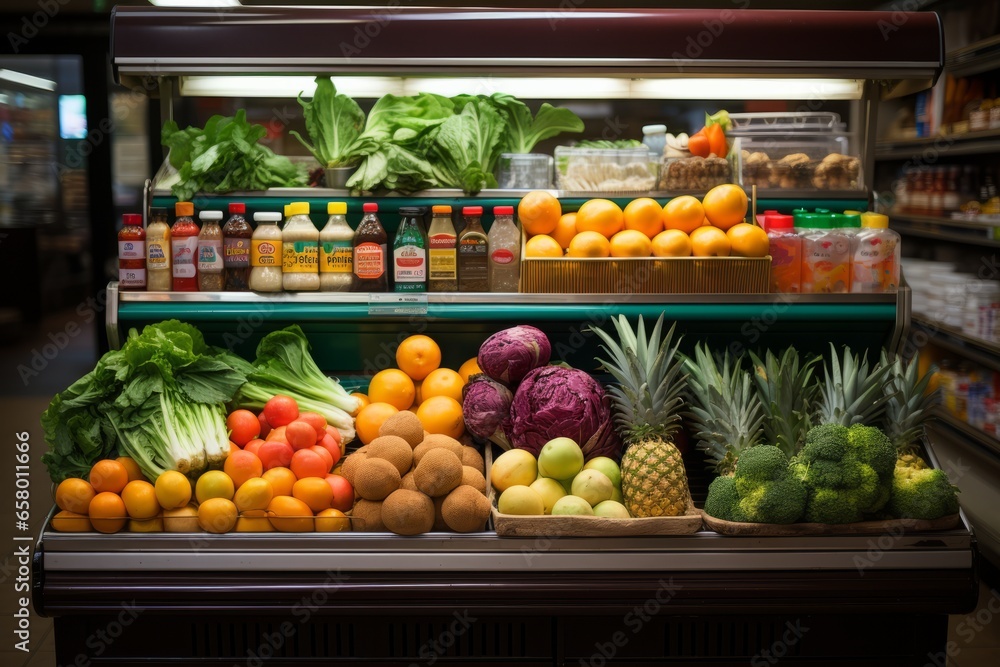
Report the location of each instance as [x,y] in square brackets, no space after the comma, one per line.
[700,161]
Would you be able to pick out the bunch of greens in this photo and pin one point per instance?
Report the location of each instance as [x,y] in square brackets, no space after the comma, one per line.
[159,399]
[285,366]
[334,123]
[225,156]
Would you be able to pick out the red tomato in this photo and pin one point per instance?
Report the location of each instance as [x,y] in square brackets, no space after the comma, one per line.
[300,434]
[281,410]
[343,493]
[307,463]
[273,454]
[265,428]
[253,445]
[327,456]
[316,420]
[277,435]
[332,447]
[243,426]
[337,438]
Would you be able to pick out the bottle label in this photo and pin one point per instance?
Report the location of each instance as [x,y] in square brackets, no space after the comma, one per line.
[210,255]
[264,252]
[131,278]
[409,264]
[473,246]
[443,264]
[300,257]
[369,260]
[441,241]
[185,250]
[336,257]
[131,250]
[157,256]
[236,253]
[502,256]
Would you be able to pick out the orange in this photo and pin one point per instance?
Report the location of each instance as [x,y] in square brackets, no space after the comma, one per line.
[602,216]
[241,466]
[442,382]
[154,525]
[539,212]
[392,386]
[281,479]
[214,484]
[332,521]
[173,490]
[254,496]
[290,515]
[74,495]
[748,240]
[217,515]
[469,368]
[631,243]
[589,244]
[108,475]
[107,512]
[725,205]
[314,492]
[644,215]
[370,419]
[132,468]
[417,397]
[709,242]
[565,230]
[684,213]
[542,246]
[417,356]
[181,520]
[442,414]
[140,501]
[253,524]
[671,243]
[71,522]
[363,400]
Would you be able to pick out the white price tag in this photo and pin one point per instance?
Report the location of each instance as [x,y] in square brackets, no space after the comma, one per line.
[392,303]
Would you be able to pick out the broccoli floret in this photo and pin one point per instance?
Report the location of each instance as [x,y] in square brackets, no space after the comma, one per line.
[826,441]
[761,464]
[873,447]
[722,498]
[834,506]
[922,494]
[844,474]
[777,501]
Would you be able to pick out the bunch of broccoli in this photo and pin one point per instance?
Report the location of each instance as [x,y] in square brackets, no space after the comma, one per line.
[761,490]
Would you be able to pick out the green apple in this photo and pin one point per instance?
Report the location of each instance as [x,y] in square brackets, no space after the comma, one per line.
[593,486]
[572,505]
[611,509]
[520,499]
[550,490]
[560,458]
[608,467]
[515,467]
[616,496]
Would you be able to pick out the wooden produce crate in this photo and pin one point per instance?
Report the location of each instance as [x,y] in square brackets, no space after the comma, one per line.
[860,528]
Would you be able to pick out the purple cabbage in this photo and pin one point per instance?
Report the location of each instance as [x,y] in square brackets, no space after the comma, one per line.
[509,355]
[554,402]
[486,408]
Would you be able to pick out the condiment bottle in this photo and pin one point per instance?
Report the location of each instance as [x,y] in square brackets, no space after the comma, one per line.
[336,251]
[370,248]
[236,237]
[184,248]
[409,252]
[826,255]
[473,253]
[300,254]
[785,248]
[442,253]
[210,261]
[505,250]
[132,253]
[159,277]
[875,263]
[265,253]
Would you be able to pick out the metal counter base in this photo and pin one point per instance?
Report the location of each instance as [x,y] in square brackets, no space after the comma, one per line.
[478,599]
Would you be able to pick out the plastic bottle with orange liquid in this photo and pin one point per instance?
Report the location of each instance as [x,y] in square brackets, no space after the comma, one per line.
[785,248]
[826,255]
[875,261]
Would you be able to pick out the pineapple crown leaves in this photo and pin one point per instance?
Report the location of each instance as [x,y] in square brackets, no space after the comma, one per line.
[909,402]
[787,394]
[850,393]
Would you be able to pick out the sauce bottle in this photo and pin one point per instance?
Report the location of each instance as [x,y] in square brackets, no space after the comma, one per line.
[265,253]
[300,254]
[875,263]
[409,252]
[336,250]
[370,247]
[473,253]
[159,277]
[184,248]
[210,261]
[132,253]
[505,250]
[236,237]
[442,254]
[785,248]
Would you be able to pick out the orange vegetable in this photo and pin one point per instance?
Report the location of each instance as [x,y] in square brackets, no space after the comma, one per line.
[698,143]
[716,140]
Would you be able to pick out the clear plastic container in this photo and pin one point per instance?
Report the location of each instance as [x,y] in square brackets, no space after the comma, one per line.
[605,169]
[505,250]
[524,171]
[654,137]
[826,255]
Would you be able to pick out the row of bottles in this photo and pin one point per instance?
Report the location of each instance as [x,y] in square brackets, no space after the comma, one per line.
[942,190]
[300,257]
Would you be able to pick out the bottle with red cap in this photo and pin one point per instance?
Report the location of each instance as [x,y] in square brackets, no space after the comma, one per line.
[236,235]
[473,253]
[370,253]
[505,250]
[785,248]
[184,248]
[132,253]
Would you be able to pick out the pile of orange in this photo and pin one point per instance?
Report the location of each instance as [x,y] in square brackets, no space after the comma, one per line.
[684,226]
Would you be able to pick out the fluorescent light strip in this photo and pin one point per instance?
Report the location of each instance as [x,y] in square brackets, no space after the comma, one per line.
[195,3]
[23,79]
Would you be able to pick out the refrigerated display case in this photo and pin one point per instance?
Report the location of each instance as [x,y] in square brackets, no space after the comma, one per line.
[455,599]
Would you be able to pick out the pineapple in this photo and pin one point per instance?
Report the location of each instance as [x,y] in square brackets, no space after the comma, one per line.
[850,394]
[907,409]
[725,408]
[787,395]
[646,399]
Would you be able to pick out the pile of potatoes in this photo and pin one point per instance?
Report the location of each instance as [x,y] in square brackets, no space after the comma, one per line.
[411,482]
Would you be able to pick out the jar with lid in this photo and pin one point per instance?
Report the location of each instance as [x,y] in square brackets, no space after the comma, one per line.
[210,261]
[300,254]
[265,253]
[409,252]
[370,253]
[441,249]
[236,237]
[184,248]
[654,137]
[505,250]
[159,277]
[336,251]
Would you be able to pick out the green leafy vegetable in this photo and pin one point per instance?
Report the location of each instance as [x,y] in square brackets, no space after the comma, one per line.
[334,122]
[523,132]
[467,146]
